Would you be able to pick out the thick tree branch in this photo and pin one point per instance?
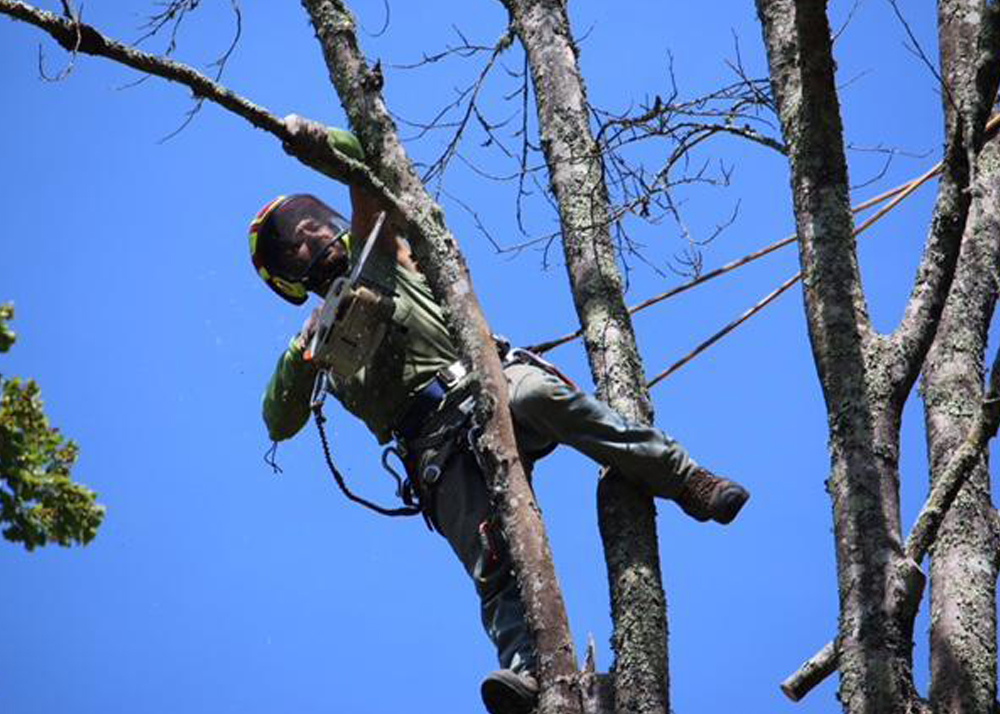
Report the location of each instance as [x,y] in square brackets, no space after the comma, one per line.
[359,87]
[82,38]
[309,147]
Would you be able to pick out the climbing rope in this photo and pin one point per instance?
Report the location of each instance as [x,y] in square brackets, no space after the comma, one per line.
[899,194]
[894,196]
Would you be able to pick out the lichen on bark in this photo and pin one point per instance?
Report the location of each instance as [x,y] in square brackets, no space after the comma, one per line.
[964,557]
[359,89]
[627,518]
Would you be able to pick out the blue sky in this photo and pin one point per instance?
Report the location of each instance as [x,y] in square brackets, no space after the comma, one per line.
[215,586]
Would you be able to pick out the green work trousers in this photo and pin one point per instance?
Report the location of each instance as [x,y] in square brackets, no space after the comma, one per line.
[547,411]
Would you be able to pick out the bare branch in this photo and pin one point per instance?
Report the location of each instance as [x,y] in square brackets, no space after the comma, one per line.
[385,23]
[464,49]
[440,165]
[638,192]
[309,147]
[847,21]
[173,13]
[480,226]
[68,69]
[736,110]
[87,40]
[220,65]
[918,51]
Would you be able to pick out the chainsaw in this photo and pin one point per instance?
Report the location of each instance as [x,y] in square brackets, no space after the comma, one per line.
[352,321]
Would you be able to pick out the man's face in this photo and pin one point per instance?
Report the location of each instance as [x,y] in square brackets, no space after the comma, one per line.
[314,255]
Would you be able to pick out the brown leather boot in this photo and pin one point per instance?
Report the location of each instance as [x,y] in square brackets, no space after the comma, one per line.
[705,496]
[508,692]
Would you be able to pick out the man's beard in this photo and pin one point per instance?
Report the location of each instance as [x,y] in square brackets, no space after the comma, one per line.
[328,271]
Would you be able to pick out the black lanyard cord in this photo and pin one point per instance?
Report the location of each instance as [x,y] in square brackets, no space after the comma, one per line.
[317,410]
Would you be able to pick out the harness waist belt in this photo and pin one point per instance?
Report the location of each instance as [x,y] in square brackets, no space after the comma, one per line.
[425,402]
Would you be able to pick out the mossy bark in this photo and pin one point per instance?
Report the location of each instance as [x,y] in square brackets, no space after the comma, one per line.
[438,255]
[865,376]
[969,34]
[627,518]
[964,557]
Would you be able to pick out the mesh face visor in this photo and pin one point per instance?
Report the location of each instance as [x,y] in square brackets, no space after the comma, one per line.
[274,246]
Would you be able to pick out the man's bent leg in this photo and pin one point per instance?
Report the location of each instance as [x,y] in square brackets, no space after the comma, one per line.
[546,410]
[463,516]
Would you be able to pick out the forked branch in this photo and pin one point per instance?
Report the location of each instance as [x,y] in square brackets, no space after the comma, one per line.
[935,508]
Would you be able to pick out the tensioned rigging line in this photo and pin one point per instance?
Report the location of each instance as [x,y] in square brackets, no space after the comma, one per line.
[894,196]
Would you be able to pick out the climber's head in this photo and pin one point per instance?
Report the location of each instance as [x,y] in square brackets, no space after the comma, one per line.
[299,244]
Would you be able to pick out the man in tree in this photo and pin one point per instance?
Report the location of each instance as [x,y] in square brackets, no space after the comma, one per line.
[411,388]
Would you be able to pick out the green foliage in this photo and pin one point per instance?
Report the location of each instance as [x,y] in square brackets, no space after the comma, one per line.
[39,503]
[7,335]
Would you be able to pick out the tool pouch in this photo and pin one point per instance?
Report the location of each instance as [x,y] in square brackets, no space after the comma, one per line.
[431,464]
[358,330]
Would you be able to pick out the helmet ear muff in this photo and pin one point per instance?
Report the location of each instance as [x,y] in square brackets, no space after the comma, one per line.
[293,291]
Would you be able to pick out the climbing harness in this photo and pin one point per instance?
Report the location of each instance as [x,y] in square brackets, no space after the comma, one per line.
[439,424]
[430,434]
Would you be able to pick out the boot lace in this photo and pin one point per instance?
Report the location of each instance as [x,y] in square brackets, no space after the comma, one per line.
[698,491]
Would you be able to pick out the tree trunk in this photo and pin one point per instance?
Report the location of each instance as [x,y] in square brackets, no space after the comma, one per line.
[437,252]
[965,554]
[964,561]
[627,518]
[970,67]
[864,376]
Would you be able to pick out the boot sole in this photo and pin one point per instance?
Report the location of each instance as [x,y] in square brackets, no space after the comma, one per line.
[507,696]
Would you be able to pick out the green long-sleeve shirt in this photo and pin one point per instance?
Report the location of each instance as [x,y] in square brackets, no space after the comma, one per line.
[286,398]
[416,346]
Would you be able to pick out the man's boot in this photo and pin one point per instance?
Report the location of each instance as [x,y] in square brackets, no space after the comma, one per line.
[707,497]
[508,692]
